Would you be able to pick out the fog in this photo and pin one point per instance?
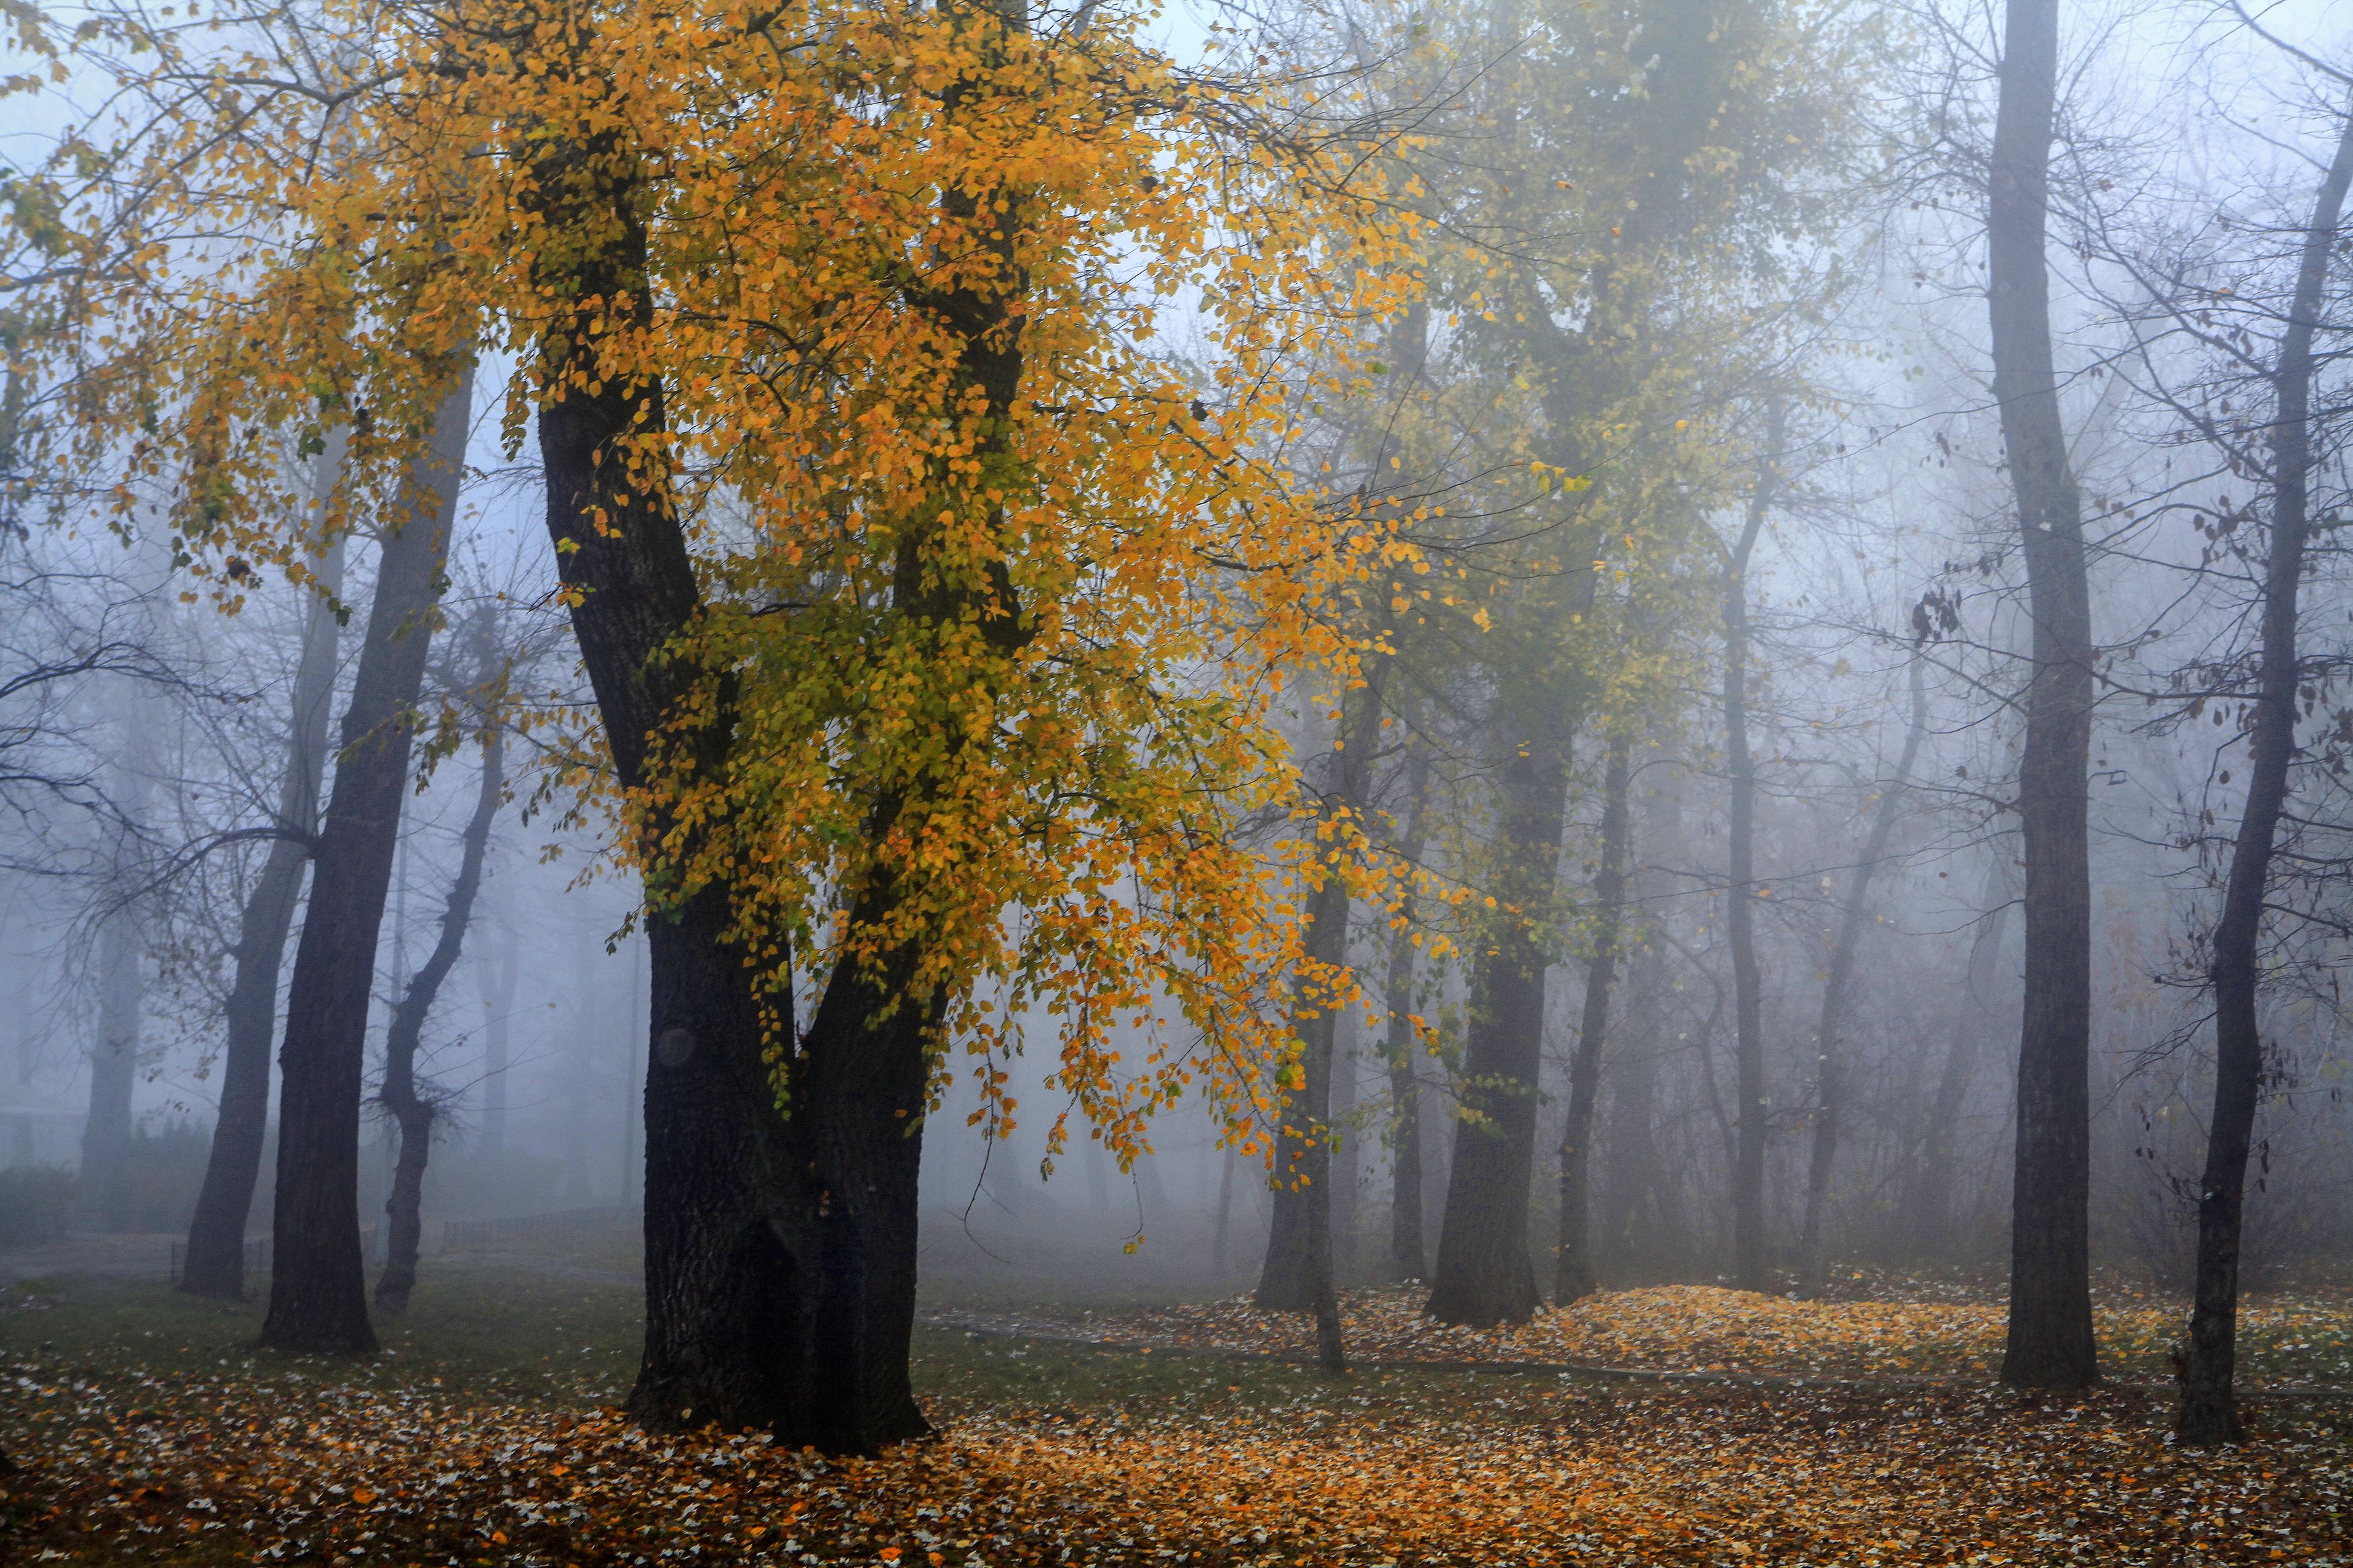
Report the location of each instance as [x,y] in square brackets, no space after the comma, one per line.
[1823,323]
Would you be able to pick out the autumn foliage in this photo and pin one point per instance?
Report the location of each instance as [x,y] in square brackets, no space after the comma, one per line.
[1000,589]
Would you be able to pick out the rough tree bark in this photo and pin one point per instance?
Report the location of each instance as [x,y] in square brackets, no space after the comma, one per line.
[216,1257]
[1740,886]
[2051,1344]
[1573,1277]
[2209,1414]
[1408,1252]
[724,1338]
[318,1290]
[414,1112]
[1829,1089]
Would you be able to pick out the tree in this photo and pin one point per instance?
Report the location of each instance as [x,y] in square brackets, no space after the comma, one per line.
[1829,1065]
[935,621]
[1573,1278]
[2050,1342]
[2208,1414]
[1611,255]
[1750,1117]
[1401,1044]
[215,1264]
[1298,1272]
[318,1296]
[414,1107]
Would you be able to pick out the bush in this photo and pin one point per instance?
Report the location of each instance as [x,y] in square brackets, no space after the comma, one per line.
[35,1203]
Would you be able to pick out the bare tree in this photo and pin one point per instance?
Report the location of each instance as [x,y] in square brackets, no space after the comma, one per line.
[1740,892]
[2209,1413]
[1830,1093]
[414,1104]
[318,1291]
[216,1257]
[2050,1342]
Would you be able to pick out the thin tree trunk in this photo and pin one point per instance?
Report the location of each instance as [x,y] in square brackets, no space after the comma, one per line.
[412,1111]
[498,978]
[1484,1276]
[1573,1278]
[113,1072]
[1830,1088]
[1740,889]
[2050,1342]
[318,1291]
[1225,1213]
[2209,1414]
[1408,1253]
[1929,1210]
[1299,1237]
[216,1257]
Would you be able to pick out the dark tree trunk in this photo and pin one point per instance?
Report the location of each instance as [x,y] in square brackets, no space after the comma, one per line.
[414,1111]
[216,1257]
[318,1291]
[1299,1236]
[1828,1064]
[1750,1114]
[1573,1277]
[2209,1414]
[724,1332]
[861,1077]
[1408,1253]
[2051,1344]
[1483,1275]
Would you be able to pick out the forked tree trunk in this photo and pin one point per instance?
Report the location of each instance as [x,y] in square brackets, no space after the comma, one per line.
[2209,1414]
[1483,1275]
[216,1257]
[1750,1113]
[1830,1090]
[318,1289]
[1573,1277]
[412,1110]
[2051,1344]
[1408,1253]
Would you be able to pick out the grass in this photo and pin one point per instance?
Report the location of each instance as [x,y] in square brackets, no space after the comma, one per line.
[158,1432]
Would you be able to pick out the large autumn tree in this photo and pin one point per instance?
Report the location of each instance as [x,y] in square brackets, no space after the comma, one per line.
[935,619]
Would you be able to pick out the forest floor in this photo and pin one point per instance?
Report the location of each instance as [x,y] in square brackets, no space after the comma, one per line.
[148,1429]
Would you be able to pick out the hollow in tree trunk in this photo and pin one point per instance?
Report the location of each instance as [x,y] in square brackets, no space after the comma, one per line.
[2209,1414]
[318,1290]
[216,1256]
[2050,1342]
